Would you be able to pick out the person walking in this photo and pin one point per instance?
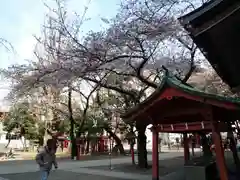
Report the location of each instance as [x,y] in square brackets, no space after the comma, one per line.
[46,158]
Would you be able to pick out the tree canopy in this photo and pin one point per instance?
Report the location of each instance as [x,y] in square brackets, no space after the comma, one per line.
[142,37]
[22,122]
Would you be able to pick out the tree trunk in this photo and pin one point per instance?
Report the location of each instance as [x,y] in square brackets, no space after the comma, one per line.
[41,141]
[160,147]
[205,146]
[117,140]
[132,153]
[87,146]
[72,137]
[21,139]
[25,144]
[141,146]
[9,140]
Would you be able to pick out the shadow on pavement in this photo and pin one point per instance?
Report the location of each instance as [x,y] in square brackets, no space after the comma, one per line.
[165,167]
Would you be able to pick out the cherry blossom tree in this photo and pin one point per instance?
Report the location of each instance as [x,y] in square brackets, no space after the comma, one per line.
[128,57]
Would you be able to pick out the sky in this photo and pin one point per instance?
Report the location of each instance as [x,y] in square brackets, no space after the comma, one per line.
[21,19]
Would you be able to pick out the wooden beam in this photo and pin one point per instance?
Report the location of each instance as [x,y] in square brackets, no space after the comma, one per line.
[181,111]
[190,127]
[184,127]
[216,20]
[180,119]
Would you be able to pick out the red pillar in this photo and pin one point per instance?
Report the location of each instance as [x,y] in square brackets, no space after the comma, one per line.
[155,159]
[219,152]
[186,147]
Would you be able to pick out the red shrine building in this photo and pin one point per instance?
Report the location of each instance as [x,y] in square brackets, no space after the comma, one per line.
[180,108]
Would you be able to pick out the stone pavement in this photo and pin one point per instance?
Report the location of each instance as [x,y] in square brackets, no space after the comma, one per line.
[56,175]
[28,170]
[166,166]
[85,174]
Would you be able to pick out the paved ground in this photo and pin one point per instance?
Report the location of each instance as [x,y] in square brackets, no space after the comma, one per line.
[71,170]
[56,175]
[166,166]
[30,166]
[28,170]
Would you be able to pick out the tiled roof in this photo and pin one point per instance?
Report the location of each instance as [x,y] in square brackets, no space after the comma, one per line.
[173,82]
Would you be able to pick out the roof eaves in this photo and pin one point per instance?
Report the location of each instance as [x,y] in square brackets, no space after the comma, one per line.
[197,92]
[127,115]
[199,11]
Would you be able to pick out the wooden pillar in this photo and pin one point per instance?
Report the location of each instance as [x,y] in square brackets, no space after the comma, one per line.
[186,148]
[155,159]
[219,151]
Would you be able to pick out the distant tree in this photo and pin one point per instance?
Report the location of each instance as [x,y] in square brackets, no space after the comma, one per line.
[22,123]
